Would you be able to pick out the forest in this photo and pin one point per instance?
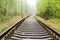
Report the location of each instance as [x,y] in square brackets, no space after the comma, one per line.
[8,9]
[49,10]
[11,9]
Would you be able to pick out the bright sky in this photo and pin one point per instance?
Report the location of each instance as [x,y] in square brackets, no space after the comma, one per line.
[31,6]
[32,9]
[32,2]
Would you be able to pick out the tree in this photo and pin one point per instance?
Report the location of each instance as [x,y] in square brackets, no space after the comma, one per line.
[49,8]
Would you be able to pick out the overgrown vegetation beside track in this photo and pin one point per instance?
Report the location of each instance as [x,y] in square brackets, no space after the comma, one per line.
[49,10]
[10,22]
[10,11]
[53,23]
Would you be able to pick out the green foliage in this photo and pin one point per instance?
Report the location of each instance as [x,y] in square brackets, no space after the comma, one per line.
[49,8]
[9,8]
[41,5]
[4,18]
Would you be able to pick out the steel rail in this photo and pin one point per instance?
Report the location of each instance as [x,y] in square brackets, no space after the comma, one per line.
[9,31]
[53,32]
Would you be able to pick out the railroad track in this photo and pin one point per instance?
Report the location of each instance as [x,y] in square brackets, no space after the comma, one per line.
[31,29]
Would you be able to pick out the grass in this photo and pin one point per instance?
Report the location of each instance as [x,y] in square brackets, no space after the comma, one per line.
[53,23]
[4,18]
[5,25]
[10,22]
